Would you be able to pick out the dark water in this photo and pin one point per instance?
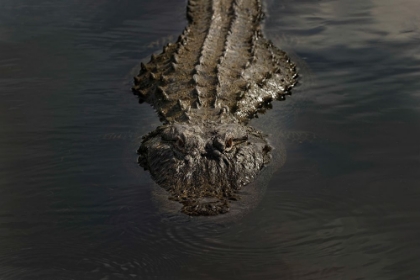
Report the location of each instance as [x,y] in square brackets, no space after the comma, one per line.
[74,205]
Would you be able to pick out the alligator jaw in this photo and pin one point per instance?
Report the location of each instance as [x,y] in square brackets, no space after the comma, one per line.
[203,166]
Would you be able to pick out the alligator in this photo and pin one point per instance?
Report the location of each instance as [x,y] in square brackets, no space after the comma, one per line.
[206,88]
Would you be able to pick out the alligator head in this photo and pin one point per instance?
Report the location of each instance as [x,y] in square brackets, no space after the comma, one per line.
[203,166]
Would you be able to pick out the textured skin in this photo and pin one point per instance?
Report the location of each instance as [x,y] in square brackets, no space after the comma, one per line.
[205,88]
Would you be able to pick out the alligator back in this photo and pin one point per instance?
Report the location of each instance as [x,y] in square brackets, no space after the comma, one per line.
[220,60]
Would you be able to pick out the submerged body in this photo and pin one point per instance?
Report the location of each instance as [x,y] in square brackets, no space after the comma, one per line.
[205,88]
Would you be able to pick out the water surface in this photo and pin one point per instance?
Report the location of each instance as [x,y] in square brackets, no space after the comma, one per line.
[74,204]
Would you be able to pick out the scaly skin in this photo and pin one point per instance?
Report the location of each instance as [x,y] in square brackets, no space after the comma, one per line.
[206,88]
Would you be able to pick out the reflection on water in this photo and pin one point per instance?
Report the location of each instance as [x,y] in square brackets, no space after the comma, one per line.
[74,205]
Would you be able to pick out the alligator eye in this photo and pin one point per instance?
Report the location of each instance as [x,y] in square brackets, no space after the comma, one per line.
[229,143]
